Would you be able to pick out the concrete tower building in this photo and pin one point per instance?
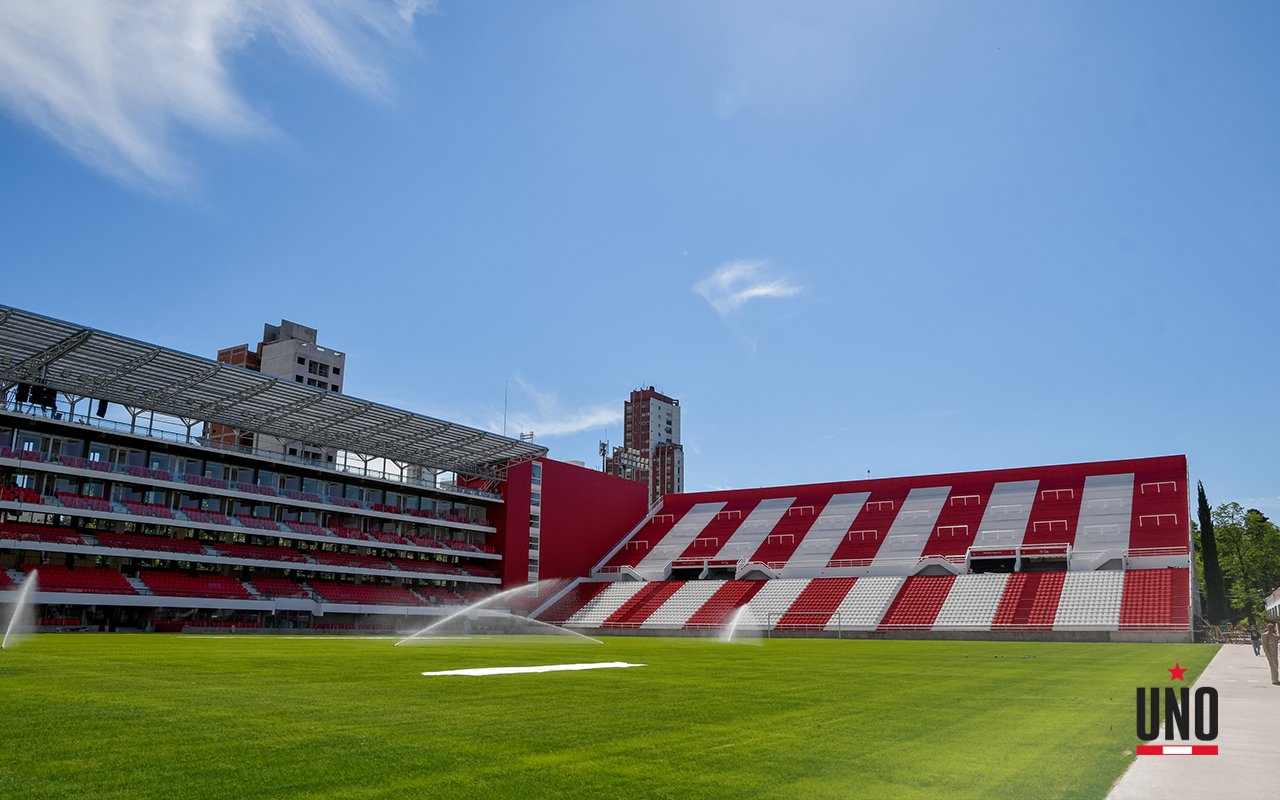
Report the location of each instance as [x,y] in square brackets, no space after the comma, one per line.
[651,452]
[288,351]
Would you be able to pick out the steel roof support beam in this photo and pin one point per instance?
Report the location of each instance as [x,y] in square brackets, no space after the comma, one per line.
[111,376]
[31,367]
[408,445]
[480,456]
[231,401]
[185,384]
[391,424]
[290,408]
[453,446]
[335,419]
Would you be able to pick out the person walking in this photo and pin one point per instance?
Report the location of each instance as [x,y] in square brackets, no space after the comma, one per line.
[1270,645]
[1256,639]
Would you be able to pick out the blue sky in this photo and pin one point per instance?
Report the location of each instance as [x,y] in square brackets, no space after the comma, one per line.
[896,237]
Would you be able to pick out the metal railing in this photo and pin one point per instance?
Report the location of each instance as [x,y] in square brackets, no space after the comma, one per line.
[238,525]
[841,623]
[905,564]
[236,491]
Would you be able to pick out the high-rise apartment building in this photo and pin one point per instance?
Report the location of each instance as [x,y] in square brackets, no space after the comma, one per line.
[651,452]
[287,351]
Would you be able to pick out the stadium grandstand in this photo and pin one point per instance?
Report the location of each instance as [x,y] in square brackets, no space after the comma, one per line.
[1082,551]
[112,488]
[137,518]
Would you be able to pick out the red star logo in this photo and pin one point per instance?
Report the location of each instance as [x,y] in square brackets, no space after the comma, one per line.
[1175,674]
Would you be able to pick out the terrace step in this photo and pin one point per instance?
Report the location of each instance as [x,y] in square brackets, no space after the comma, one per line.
[138,585]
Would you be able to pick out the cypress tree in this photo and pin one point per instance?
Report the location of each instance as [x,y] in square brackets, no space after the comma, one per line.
[1216,595]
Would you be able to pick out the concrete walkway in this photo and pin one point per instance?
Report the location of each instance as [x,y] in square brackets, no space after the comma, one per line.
[1248,760]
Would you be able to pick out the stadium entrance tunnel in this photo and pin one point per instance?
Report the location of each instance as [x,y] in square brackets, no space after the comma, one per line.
[1045,565]
[992,565]
[704,571]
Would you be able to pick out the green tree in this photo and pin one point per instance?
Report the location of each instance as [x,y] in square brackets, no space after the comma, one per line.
[1214,589]
[1249,553]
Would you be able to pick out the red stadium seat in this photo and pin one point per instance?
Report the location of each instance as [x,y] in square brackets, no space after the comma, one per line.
[278,587]
[365,593]
[134,541]
[181,584]
[31,532]
[96,580]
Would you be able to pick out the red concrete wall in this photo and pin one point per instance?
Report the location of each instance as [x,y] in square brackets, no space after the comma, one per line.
[512,522]
[584,514]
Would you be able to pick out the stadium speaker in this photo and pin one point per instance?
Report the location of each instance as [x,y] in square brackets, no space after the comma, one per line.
[47,398]
[102,408]
[24,393]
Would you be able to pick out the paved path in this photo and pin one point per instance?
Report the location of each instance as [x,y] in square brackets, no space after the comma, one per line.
[1248,760]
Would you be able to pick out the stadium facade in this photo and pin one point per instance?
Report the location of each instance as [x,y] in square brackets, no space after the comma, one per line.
[139,518]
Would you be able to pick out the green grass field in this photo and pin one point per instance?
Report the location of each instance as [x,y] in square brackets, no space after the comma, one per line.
[152,716]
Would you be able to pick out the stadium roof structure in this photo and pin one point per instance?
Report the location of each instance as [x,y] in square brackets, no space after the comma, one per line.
[85,362]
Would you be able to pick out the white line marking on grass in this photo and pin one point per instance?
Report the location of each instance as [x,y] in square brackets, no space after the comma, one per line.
[483,671]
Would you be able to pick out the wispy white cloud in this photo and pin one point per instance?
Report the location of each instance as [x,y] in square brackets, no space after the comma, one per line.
[1262,502]
[531,410]
[733,285]
[114,83]
[549,417]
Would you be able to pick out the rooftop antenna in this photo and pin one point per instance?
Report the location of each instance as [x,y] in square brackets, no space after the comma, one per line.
[506,389]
